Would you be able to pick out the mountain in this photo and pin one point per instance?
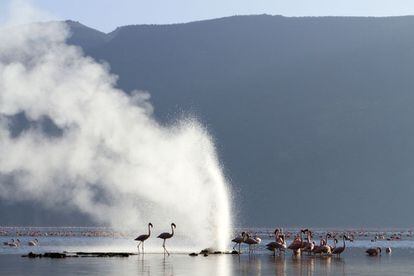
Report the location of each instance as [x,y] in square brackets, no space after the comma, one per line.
[312,116]
[84,36]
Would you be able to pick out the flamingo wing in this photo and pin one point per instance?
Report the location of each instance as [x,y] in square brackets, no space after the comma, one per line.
[164,235]
[338,250]
[141,238]
[237,240]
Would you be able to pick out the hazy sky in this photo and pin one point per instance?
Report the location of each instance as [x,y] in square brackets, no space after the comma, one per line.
[106,15]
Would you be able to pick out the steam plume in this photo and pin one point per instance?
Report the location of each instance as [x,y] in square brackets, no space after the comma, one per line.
[110,159]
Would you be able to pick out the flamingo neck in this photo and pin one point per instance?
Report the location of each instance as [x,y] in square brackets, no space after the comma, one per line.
[149,230]
[172,230]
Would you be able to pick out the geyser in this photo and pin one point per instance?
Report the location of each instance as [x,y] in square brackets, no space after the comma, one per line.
[111,159]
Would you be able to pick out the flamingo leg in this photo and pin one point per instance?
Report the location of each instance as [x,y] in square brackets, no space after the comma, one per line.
[142,247]
[138,247]
[163,246]
[239,249]
[165,249]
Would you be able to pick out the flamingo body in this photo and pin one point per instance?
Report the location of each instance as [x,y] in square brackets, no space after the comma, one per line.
[373,251]
[35,242]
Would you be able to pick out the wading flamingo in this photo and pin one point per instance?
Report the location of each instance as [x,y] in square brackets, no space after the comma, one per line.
[297,243]
[143,238]
[309,245]
[238,240]
[251,242]
[339,249]
[165,236]
[278,244]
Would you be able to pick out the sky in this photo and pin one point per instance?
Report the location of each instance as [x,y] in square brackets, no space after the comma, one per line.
[106,15]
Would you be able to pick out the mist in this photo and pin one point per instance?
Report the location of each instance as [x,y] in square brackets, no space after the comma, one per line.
[108,158]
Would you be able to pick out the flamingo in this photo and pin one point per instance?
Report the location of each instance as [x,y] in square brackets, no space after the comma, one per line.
[238,240]
[375,251]
[308,246]
[250,241]
[167,235]
[15,244]
[325,247]
[296,245]
[143,238]
[278,244]
[317,249]
[34,242]
[339,249]
[8,242]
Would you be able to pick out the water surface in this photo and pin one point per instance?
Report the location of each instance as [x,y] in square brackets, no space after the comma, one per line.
[352,262]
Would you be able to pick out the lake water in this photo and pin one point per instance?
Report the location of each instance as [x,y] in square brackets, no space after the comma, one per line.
[352,262]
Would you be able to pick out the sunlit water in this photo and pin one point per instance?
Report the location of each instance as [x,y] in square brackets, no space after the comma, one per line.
[352,262]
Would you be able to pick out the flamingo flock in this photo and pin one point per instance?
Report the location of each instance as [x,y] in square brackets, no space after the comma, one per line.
[17,243]
[303,242]
[12,243]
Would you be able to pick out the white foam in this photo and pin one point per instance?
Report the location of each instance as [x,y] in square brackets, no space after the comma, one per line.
[114,161]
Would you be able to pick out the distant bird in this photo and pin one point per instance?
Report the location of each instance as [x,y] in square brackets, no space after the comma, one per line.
[15,243]
[167,235]
[34,242]
[338,250]
[238,240]
[375,251]
[251,242]
[8,242]
[388,250]
[143,238]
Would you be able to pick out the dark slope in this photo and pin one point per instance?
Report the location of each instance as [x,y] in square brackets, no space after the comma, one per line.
[84,36]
